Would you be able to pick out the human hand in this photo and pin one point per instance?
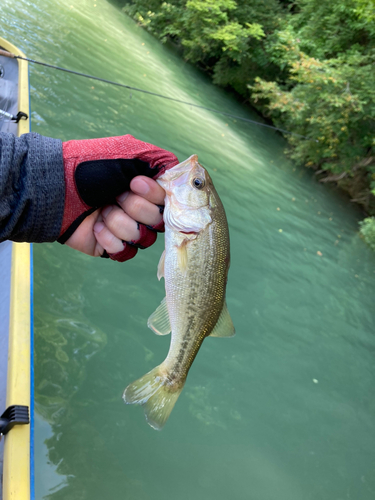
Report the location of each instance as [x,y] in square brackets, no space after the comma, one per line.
[106,229]
[102,172]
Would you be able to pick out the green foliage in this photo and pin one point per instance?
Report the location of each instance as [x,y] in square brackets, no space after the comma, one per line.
[368,231]
[331,101]
[212,33]
[308,65]
[327,29]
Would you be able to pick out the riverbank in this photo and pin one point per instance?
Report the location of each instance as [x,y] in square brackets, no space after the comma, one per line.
[307,66]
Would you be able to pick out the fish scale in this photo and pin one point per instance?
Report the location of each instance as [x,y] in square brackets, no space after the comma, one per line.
[195,267]
[190,320]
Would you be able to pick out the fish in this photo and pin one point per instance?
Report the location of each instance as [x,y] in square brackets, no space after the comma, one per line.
[195,266]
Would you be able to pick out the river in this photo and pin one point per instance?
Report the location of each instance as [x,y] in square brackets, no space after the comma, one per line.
[285,409]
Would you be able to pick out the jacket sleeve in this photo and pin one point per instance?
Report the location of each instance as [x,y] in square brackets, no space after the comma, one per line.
[32,188]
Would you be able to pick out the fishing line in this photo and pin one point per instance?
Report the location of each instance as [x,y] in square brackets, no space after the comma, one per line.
[13,56]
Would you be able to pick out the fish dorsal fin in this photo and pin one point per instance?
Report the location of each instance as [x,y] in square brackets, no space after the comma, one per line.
[160,273]
[159,319]
[224,326]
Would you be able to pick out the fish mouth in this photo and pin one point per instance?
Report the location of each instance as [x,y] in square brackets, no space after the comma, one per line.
[182,169]
[188,232]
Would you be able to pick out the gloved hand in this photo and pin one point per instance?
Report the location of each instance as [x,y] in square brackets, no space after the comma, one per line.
[98,172]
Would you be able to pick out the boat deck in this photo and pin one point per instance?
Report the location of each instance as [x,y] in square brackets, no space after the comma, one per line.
[5,270]
[9,103]
[16,465]
[8,92]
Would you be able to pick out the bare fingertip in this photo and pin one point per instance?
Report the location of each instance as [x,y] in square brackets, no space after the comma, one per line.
[123,196]
[107,210]
[98,226]
[139,186]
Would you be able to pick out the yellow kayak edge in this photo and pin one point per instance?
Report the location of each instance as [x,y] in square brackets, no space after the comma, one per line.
[16,468]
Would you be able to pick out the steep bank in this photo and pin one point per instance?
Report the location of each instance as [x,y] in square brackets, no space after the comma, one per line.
[307,65]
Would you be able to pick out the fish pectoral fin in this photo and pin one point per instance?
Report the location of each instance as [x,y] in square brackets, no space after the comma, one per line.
[224,326]
[160,273]
[159,319]
[182,256]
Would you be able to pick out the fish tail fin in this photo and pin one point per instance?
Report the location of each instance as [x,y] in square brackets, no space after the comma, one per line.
[156,393]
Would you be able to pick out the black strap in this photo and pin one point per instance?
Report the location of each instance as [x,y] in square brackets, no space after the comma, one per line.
[13,415]
[20,116]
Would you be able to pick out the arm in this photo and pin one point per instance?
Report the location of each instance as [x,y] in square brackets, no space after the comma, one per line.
[52,190]
[31,188]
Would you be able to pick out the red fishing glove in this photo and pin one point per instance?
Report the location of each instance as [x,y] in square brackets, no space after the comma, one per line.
[99,170]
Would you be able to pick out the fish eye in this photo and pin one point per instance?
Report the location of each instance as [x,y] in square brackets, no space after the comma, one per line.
[198,183]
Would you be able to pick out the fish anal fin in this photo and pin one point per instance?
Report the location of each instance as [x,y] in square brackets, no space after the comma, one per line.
[159,319]
[224,326]
[160,273]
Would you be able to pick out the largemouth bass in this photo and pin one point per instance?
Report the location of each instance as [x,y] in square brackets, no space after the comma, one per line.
[195,266]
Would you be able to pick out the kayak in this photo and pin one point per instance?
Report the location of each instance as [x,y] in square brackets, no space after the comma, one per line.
[16,330]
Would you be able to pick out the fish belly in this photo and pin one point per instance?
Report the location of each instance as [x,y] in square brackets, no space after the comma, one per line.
[195,296]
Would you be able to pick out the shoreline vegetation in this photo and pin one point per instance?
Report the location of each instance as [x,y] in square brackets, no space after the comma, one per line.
[308,66]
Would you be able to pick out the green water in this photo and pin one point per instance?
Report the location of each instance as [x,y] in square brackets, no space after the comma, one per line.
[284,410]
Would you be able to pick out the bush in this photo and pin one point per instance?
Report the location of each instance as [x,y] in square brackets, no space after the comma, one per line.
[308,65]
[367,231]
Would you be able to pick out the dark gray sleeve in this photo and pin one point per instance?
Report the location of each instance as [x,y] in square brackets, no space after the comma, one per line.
[32,188]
